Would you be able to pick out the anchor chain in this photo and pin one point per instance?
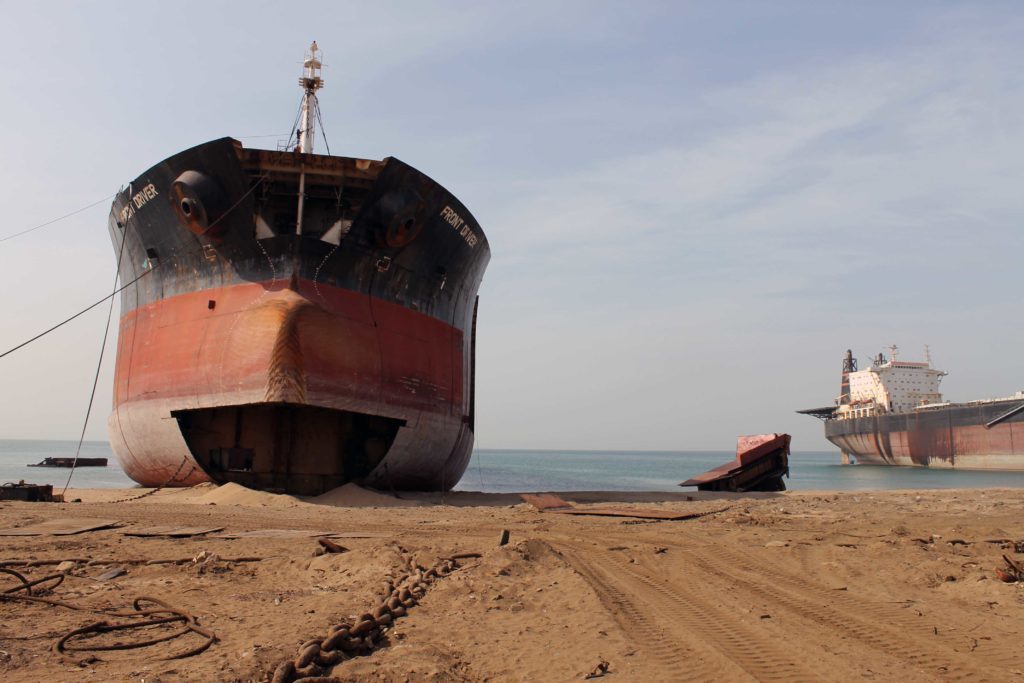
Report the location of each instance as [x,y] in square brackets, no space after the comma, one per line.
[360,637]
[173,479]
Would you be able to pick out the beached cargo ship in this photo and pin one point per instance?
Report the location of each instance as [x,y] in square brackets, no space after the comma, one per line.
[294,321]
[893,414]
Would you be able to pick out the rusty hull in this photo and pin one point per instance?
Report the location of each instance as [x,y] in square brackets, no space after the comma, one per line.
[952,437]
[294,362]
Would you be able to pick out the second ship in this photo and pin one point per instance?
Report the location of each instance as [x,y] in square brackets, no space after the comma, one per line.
[892,413]
[294,321]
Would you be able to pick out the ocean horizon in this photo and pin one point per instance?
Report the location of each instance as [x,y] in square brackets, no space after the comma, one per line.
[514,470]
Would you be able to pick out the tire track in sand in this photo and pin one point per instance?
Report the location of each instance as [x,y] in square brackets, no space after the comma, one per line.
[665,622]
[878,626]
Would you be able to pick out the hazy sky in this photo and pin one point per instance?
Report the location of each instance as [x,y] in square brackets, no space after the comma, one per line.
[693,208]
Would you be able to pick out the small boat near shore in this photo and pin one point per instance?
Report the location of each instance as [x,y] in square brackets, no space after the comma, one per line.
[70,462]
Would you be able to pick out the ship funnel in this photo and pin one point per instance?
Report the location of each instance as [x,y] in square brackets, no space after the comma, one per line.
[849,365]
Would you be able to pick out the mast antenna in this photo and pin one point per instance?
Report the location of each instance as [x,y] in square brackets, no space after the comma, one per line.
[310,82]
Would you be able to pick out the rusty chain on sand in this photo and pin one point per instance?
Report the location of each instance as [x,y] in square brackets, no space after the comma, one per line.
[312,663]
[361,636]
[173,479]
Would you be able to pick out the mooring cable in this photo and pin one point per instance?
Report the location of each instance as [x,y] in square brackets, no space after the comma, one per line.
[110,311]
[132,282]
[106,329]
[479,460]
[60,218]
[103,348]
[76,315]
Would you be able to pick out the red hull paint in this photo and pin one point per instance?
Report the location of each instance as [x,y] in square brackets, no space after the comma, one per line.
[940,444]
[309,344]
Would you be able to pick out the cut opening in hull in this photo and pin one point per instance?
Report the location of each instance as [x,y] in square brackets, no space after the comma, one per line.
[297,449]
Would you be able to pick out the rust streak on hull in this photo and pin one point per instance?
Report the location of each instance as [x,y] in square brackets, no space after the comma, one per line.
[952,437]
[261,346]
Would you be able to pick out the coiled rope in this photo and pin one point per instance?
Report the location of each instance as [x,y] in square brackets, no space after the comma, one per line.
[139,617]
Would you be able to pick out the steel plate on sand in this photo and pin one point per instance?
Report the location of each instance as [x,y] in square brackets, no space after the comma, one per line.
[61,527]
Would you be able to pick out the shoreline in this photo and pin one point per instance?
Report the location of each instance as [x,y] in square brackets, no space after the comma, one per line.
[465,498]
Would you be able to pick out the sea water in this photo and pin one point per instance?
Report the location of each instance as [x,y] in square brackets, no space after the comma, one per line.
[512,470]
[17,454]
[521,470]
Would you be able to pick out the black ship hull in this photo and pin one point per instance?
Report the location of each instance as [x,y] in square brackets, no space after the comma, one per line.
[294,322]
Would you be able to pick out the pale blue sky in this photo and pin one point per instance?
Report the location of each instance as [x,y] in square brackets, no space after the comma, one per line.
[694,209]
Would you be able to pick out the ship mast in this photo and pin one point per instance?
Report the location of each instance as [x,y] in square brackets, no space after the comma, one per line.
[311,82]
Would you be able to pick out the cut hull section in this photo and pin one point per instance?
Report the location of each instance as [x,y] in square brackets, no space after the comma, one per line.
[295,448]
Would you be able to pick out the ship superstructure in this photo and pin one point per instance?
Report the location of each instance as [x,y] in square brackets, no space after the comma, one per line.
[888,386]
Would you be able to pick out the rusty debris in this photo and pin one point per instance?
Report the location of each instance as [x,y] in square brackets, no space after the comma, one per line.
[544,501]
[30,493]
[330,546]
[1013,573]
[602,669]
[761,462]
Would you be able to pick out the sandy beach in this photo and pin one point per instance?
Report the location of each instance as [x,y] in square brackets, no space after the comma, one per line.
[890,585]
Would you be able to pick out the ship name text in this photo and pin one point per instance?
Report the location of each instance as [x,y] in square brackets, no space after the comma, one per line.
[462,227]
[138,200]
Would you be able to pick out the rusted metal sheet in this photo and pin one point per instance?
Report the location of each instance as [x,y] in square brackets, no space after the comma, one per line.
[638,513]
[61,527]
[171,531]
[761,462]
[300,533]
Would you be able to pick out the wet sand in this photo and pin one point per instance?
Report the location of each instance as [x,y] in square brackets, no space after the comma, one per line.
[813,586]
